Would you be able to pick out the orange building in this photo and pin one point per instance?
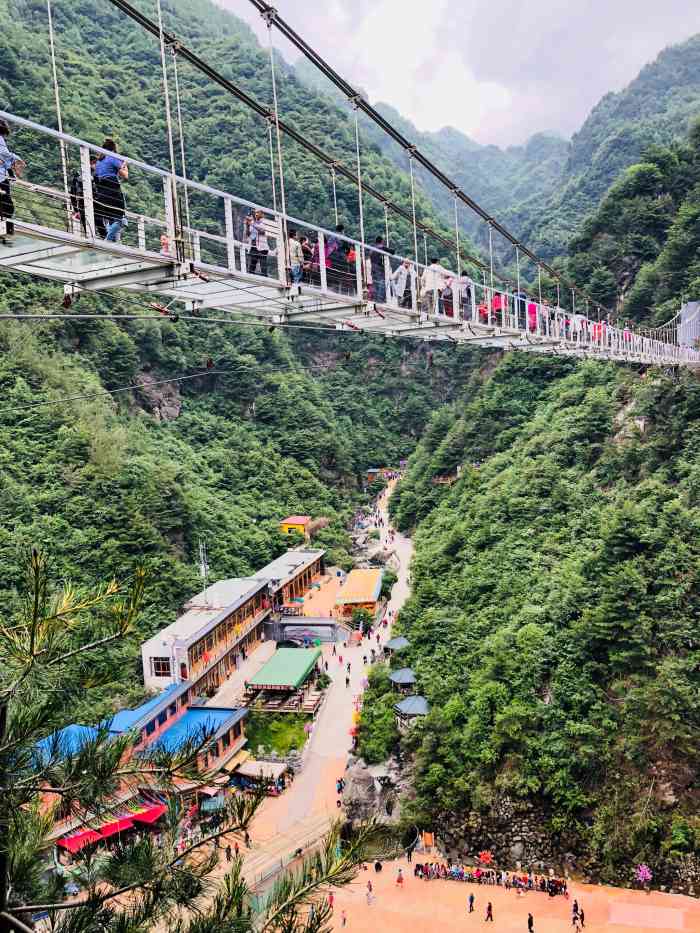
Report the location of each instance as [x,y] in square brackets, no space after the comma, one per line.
[361,590]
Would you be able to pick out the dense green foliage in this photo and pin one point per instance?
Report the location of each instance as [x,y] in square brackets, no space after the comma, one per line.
[275,732]
[640,251]
[554,619]
[283,423]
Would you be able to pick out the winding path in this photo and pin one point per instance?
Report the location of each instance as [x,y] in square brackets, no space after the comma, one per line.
[304,811]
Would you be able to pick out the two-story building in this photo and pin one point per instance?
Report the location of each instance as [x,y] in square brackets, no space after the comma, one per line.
[293,574]
[208,640]
[224,622]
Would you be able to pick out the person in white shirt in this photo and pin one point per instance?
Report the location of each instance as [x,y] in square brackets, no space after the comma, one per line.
[432,284]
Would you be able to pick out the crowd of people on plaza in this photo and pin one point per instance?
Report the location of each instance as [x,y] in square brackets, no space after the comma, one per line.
[515,880]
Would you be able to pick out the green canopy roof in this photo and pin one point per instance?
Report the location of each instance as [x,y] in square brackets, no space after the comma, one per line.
[288,668]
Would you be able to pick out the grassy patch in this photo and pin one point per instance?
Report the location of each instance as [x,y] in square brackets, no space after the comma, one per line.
[279,732]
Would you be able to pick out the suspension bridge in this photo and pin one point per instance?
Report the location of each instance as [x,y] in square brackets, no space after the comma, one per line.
[186,246]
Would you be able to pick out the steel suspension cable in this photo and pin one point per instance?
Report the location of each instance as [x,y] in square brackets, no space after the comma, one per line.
[398,137]
[131,11]
[57,99]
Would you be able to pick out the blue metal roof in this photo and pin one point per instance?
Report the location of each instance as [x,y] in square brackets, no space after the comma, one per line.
[67,741]
[413,706]
[127,719]
[196,722]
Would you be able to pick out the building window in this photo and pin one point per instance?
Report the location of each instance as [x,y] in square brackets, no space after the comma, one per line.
[172,709]
[236,729]
[160,667]
[162,717]
[151,727]
[226,739]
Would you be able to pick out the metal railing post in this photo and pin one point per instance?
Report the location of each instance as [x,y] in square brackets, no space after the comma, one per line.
[358,272]
[88,200]
[141,232]
[322,261]
[170,224]
[230,239]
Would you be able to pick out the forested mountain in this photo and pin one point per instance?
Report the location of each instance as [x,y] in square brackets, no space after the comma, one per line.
[554,618]
[639,252]
[280,423]
[544,189]
[554,623]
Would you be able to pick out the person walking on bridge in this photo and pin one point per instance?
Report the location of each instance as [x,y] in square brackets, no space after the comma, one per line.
[259,247]
[11,166]
[110,207]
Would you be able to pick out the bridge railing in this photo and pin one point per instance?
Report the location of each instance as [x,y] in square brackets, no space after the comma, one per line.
[189,221]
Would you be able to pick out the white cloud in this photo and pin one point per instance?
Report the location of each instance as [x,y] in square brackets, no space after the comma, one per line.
[498,70]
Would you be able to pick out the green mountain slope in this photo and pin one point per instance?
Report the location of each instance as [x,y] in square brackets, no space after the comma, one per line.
[284,422]
[640,251]
[656,108]
[554,620]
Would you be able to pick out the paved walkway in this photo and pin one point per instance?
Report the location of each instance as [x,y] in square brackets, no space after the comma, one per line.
[306,808]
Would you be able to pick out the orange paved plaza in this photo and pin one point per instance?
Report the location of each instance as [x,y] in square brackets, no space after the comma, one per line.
[433,906]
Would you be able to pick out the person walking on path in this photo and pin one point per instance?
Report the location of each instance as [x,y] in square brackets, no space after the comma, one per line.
[347,681]
[335,651]
[471,903]
[343,919]
[489,912]
[530,924]
[229,855]
[399,879]
[581,917]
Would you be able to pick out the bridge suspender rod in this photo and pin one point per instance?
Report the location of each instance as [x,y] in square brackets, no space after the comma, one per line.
[539,283]
[491,253]
[185,53]
[172,194]
[335,195]
[392,132]
[517,268]
[57,98]
[359,186]
[272,167]
[181,134]
[459,258]
[386,223]
[413,209]
[269,18]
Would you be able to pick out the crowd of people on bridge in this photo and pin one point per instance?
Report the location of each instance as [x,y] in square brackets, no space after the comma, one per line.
[333,259]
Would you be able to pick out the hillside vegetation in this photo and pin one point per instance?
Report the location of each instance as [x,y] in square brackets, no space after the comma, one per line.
[554,618]
[270,423]
[640,251]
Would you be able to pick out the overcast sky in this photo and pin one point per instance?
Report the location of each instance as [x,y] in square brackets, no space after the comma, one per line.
[498,70]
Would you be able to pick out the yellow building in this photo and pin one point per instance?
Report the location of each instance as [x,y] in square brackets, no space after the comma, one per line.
[296,523]
[361,590]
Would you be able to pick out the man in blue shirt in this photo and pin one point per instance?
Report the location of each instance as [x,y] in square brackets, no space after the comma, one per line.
[10,164]
[110,207]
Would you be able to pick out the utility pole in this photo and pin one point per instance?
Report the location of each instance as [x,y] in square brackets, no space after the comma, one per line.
[204,567]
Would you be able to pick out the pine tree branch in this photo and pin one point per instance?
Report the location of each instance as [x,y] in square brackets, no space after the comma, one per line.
[15,923]
[144,885]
